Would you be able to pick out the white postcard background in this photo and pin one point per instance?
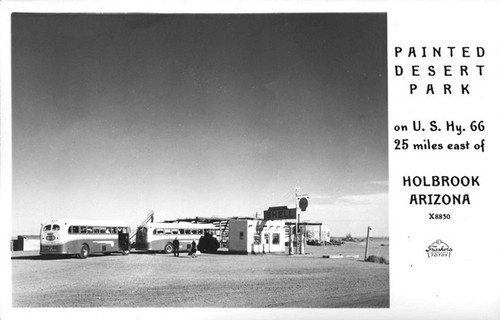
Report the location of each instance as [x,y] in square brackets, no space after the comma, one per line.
[463,286]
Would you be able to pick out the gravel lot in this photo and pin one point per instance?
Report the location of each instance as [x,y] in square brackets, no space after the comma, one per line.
[219,280]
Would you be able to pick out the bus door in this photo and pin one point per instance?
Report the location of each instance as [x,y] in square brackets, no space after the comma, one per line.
[123,242]
[141,238]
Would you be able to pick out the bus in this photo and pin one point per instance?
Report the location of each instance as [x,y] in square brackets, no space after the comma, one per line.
[159,236]
[83,237]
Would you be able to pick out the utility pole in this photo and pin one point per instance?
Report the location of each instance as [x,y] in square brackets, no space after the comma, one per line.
[297,222]
[367,237]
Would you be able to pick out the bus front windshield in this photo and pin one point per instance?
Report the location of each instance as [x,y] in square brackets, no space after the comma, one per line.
[50,227]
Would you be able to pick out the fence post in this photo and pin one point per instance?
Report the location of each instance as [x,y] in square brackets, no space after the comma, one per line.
[367,237]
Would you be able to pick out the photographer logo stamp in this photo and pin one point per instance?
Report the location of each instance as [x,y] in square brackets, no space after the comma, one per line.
[439,249]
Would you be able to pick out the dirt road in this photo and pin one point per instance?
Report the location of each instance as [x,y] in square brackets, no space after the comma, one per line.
[159,280]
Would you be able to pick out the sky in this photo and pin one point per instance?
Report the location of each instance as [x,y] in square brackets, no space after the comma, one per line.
[114,116]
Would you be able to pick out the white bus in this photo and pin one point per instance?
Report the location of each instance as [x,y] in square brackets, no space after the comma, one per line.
[83,237]
[159,236]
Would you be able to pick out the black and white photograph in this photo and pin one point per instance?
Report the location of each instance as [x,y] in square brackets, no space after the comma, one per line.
[255,143]
[249,159]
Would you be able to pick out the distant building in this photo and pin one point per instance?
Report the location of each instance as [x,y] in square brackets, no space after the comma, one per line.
[26,243]
[257,236]
[317,232]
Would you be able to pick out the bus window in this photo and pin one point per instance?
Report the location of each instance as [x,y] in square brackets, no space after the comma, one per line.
[113,230]
[56,227]
[90,229]
[47,227]
[158,231]
[181,231]
[73,229]
[168,231]
[83,229]
[175,231]
[108,230]
[200,231]
[187,231]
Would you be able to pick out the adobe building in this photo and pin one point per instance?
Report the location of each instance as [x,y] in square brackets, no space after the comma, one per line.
[256,236]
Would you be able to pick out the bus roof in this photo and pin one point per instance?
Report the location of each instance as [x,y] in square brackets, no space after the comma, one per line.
[86,222]
[180,224]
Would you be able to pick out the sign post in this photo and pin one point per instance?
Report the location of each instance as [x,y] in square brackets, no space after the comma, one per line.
[303,205]
[297,222]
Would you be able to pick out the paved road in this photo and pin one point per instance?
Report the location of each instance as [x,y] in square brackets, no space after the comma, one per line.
[159,280]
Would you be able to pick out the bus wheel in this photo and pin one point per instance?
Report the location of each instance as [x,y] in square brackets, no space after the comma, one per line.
[169,248]
[84,252]
[125,252]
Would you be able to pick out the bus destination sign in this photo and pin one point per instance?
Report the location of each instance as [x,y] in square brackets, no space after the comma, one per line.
[280,213]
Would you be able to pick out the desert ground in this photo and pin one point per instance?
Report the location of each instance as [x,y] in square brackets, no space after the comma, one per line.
[210,280]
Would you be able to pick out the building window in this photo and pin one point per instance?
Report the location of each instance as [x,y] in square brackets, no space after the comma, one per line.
[276,238]
[242,235]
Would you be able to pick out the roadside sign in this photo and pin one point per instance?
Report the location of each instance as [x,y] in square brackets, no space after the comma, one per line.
[280,213]
[303,204]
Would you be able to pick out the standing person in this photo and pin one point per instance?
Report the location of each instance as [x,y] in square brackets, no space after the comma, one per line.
[176,247]
[193,249]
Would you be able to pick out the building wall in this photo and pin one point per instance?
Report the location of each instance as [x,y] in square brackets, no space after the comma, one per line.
[242,236]
[273,236]
[239,239]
